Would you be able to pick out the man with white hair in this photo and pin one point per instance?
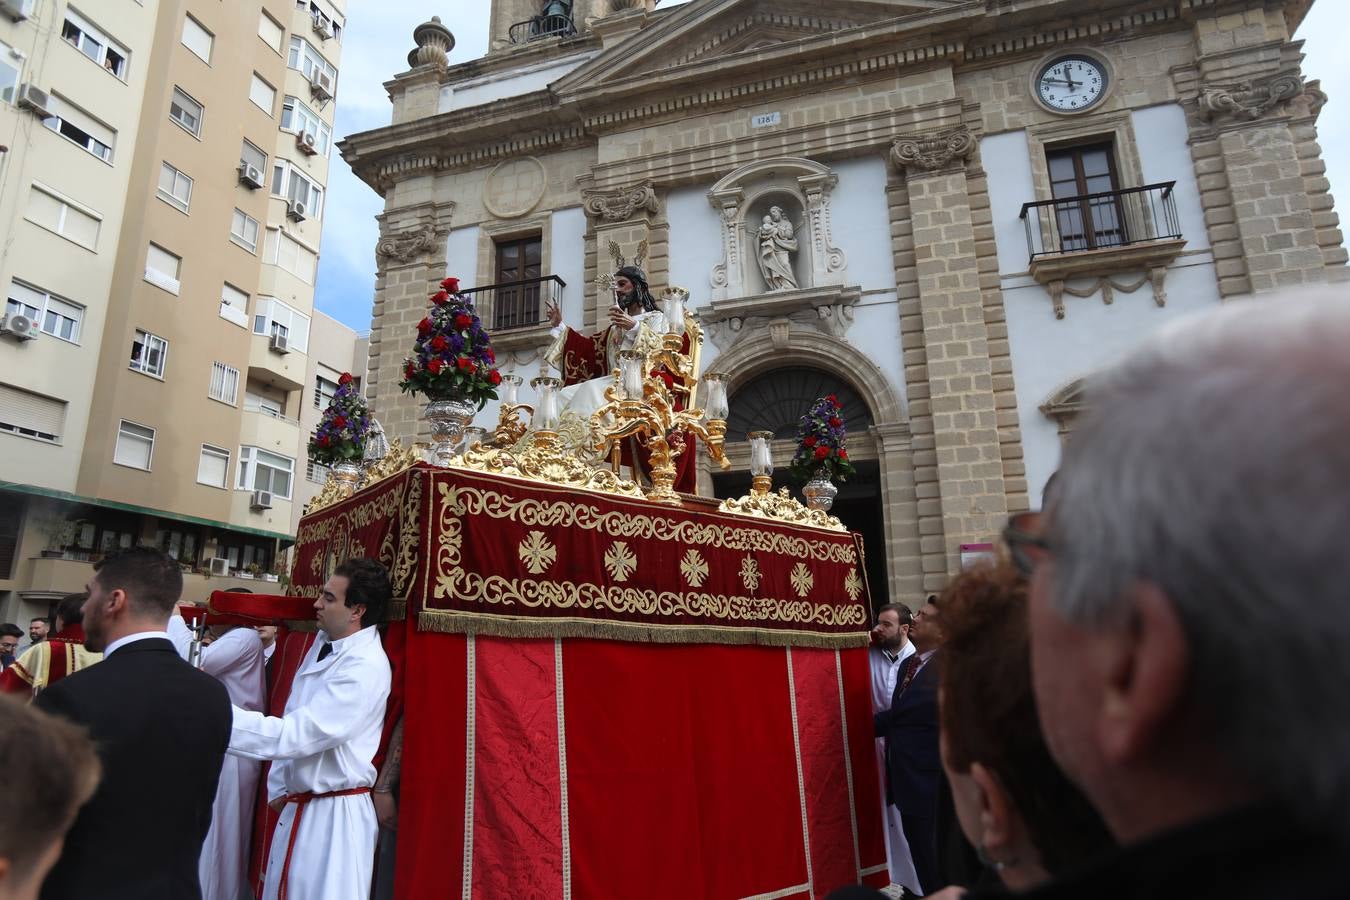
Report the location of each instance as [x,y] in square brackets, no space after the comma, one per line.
[1190,614]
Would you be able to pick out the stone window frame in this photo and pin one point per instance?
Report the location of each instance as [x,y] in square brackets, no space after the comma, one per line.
[489,233]
[1116,127]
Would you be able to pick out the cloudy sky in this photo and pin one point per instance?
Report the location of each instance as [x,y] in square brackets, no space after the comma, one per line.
[378,39]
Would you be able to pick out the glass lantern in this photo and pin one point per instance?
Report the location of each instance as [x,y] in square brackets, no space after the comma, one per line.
[761,461]
[631,364]
[546,403]
[715,405]
[673,308]
[511,390]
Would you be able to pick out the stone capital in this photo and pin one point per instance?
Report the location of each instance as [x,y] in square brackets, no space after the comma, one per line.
[1249,101]
[619,204]
[934,151]
[409,235]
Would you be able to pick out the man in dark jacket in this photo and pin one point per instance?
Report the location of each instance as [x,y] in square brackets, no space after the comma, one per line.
[161,728]
[910,728]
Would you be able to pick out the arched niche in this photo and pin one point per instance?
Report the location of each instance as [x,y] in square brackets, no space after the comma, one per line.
[802,188]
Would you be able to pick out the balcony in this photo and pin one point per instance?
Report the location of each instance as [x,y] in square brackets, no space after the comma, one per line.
[283,369]
[541,27]
[1098,235]
[516,309]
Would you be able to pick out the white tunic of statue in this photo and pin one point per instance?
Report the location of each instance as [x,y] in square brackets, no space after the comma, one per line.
[585,397]
[324,743]
[236,660]
[885,674]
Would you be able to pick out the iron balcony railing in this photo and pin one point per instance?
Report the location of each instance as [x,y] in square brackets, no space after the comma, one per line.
[541,27]
[518,304]
[1102,221]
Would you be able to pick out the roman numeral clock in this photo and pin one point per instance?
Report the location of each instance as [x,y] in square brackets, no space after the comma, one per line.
[1071,83]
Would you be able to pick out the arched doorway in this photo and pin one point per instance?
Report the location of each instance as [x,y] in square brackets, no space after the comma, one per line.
[775,400]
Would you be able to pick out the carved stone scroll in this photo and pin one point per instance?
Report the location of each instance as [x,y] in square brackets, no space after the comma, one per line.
[931,152]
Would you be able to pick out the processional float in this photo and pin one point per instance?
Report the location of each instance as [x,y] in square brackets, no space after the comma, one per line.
[608,688]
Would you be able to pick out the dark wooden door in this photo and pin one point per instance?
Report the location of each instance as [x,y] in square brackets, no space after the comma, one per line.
[516,304]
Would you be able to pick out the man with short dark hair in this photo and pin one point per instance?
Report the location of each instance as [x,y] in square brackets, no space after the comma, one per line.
[38,629]
[63,653]
[322,747]
[891,649]
[910,728]
[161,728]
[10,635]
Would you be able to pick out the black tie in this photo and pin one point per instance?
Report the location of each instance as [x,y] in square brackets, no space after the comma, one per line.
[326,649]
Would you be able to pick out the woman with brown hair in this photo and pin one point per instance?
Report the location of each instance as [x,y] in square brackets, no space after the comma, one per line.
[1014,804]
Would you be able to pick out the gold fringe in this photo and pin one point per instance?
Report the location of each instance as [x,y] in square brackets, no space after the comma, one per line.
[495,625]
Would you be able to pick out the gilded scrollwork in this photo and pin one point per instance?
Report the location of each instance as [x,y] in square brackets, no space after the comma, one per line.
[782,507]
[500,592]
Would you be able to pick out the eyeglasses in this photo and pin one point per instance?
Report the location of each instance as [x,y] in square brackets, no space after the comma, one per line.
[1026,546]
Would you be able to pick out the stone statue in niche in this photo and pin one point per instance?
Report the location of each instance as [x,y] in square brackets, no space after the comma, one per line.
[777,246]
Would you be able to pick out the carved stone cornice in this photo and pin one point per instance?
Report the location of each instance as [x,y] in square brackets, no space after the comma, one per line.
[827,309]
[933,152]
[619,205]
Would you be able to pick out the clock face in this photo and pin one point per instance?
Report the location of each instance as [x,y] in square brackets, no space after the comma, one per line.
[1071,83]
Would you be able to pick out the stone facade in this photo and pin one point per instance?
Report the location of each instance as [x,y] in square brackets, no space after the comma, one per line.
[904,139]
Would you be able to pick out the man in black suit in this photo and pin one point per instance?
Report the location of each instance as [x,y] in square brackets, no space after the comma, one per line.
[161,728]
[910,728]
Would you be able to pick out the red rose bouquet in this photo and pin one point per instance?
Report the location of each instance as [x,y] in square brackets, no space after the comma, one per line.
[820,443]
[452,356]
[341,435]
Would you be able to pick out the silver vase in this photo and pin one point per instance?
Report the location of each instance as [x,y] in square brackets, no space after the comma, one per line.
[348,475]
[820,491]
[448,418]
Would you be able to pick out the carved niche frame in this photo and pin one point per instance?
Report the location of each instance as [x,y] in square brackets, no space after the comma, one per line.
[810,185]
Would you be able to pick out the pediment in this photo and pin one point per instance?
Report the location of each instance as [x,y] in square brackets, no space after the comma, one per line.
[714,30]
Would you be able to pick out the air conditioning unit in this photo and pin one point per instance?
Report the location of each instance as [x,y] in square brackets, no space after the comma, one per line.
[321,86]
[250,176]
[21,327]
[220,566]
[307,143]
[279,344]
[34,99]
[296,211]
[322,27]
[18,10]
[260,500]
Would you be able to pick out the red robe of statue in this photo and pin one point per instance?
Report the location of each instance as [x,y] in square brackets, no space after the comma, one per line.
[586,356]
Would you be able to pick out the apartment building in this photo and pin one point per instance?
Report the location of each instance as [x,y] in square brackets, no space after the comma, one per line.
[163,190]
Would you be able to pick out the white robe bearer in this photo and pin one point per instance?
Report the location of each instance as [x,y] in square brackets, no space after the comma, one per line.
[324,743]
[235,659]
[885,675]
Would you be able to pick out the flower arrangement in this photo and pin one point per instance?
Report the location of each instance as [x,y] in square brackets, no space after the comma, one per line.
[820,443]
[452,357]
[341,435]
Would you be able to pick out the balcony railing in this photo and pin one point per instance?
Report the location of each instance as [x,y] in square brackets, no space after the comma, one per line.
[518,304]
[1102,221]
[541,27]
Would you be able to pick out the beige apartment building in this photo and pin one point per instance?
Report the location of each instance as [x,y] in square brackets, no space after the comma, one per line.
[988,200]
[162,193]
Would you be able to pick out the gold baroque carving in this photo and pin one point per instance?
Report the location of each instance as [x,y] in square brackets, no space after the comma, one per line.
[620,205]
[933,151]
[459,500]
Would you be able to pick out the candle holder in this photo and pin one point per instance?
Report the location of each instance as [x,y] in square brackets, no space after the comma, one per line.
[761,462]
[545,413]
[510,427]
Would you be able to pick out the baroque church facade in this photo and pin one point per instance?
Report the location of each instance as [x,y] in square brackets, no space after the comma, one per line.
[947,212]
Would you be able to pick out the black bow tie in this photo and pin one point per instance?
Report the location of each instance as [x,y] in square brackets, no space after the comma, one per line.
[326,649]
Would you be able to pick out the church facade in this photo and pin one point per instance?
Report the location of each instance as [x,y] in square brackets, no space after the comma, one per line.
[946,212]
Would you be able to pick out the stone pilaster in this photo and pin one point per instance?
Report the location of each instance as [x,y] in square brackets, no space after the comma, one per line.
[410,261]
[1253,143]
[971,500]
[626,218]
[904,555]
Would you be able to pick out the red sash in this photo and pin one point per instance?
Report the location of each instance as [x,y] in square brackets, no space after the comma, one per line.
[301,801]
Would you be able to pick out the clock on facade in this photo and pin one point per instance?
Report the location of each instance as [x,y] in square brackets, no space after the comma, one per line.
[1071,83]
